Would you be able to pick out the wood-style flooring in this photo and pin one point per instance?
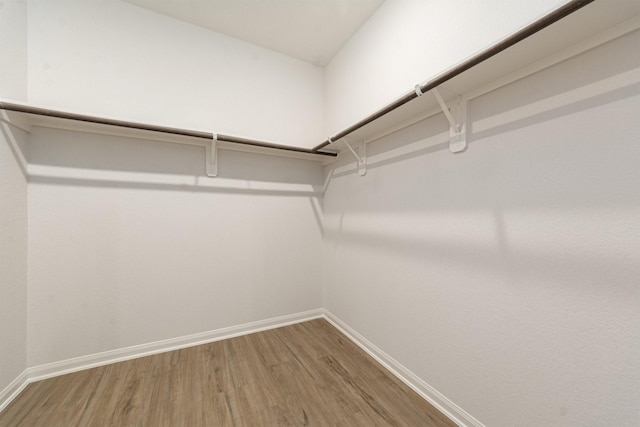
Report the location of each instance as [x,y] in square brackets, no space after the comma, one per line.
[307,374]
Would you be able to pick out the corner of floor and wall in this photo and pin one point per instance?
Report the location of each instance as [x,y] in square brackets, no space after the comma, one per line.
[501,283]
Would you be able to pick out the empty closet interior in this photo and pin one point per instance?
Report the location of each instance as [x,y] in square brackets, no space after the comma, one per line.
[457,189]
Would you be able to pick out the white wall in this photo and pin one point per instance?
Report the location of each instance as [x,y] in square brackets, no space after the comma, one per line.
[13,254]
[13,45]
[410,41]
[507,277]
[116,59]
[130,242]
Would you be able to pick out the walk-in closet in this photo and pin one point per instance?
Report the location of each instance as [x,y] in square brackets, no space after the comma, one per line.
[320,213]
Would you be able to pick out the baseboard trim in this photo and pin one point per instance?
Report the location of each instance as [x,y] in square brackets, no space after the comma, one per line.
[13,389]
[430,394]
[68,366]
[50,370]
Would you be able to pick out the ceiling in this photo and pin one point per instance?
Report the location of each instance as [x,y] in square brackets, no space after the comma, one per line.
[310,30]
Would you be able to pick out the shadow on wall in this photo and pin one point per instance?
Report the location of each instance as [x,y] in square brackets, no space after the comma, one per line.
[431,135]
[61,157]
[512,267]
[524,197]
[486,255]
[557,91]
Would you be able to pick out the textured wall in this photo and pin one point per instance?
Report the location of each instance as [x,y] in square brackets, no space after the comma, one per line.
[507,276]
[130,242]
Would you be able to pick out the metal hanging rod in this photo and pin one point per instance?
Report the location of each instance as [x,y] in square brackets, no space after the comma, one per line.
[154,128]
[567,9]
[506,43]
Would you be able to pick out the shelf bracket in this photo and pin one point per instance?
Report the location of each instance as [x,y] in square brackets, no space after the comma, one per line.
[361,157]
[458,124]
[212,157]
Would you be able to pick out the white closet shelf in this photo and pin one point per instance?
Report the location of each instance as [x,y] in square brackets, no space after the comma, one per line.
[568,31]
[575,27]
[26,116]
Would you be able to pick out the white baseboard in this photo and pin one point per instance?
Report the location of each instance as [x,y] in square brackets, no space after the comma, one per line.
[68,366]
[55,369]
[13,389]
[430,394]
[37,373]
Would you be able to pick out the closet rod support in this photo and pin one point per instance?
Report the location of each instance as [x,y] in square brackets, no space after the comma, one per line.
[212,157]
[457,125]
[361,156]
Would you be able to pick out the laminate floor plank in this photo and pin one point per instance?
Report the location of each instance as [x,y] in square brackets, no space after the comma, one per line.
[307,374]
